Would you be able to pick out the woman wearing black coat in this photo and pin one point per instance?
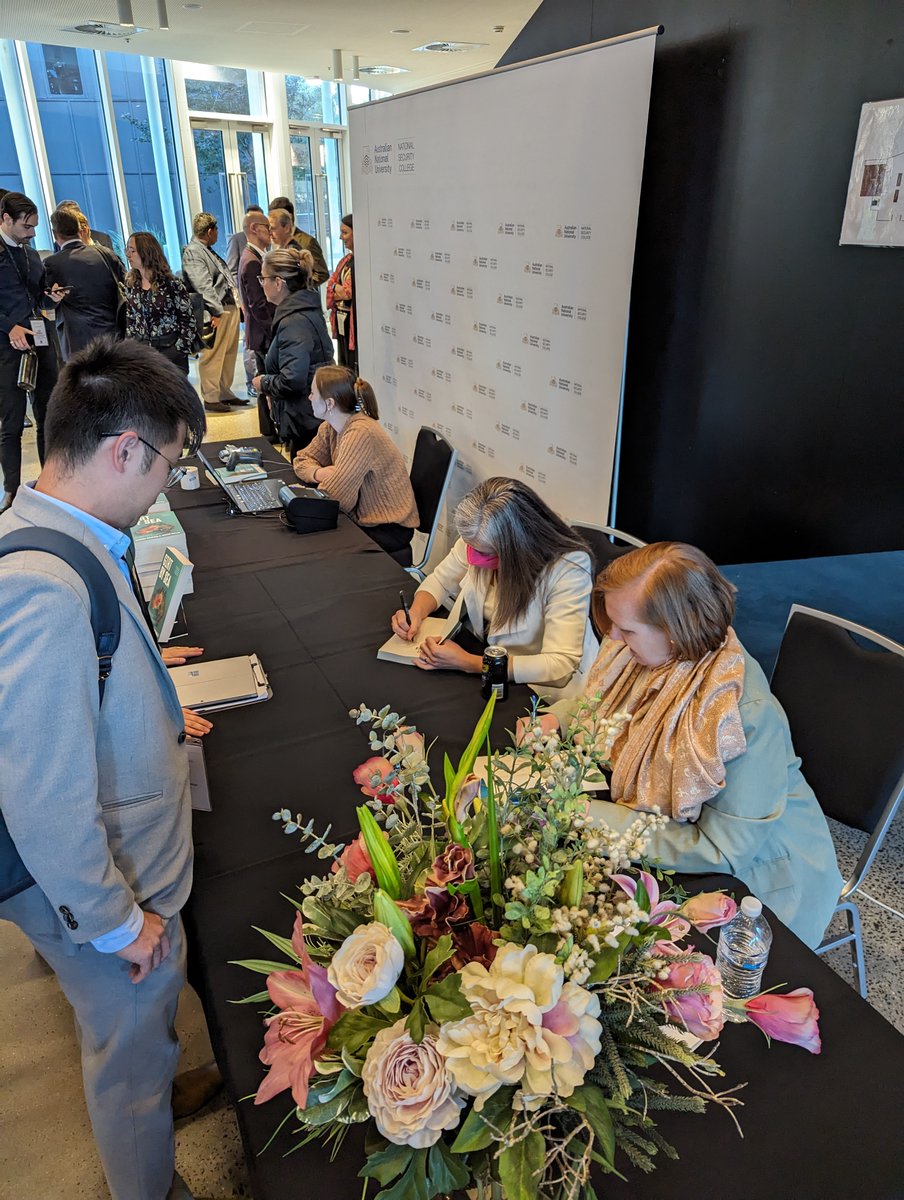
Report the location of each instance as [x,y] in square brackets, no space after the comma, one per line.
[299,344]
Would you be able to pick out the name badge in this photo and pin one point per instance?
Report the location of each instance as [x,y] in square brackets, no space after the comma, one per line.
[39,329]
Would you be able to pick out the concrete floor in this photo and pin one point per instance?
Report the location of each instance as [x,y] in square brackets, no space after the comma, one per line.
[46,1148]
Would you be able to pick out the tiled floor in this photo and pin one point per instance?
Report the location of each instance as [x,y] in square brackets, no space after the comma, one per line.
[41,1101]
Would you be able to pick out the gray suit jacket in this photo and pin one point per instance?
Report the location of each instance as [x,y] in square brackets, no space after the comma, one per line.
[97,801]
[208,274]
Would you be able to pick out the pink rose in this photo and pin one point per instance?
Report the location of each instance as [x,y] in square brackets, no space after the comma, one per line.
[708,910]
[355,859]
[790,1018]
[371,774]
[700,1012]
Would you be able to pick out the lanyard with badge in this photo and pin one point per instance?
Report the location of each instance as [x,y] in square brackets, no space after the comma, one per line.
[38,328]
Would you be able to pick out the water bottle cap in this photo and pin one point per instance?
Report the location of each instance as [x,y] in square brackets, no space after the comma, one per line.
[751,907]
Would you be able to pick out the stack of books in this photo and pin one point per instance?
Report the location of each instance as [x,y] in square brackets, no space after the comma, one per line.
[156,532]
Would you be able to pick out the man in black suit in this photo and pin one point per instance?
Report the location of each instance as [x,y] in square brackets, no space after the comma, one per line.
[90,276]
[22,327]
[257,308]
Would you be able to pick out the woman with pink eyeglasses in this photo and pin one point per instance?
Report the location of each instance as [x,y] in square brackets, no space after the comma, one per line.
[526,579]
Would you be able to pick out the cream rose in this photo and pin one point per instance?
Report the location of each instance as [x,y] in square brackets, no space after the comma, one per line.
[528,1026]
[366,966]
[411,1094]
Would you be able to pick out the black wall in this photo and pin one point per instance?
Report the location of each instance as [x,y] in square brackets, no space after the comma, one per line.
[765,378]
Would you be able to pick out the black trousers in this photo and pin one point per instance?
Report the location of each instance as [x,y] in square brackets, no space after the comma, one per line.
[12,408]
[394,539]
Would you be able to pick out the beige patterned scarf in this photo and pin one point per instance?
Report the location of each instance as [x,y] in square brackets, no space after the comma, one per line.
[685,726]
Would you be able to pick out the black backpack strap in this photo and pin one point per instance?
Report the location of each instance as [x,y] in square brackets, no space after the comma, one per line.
[106,626]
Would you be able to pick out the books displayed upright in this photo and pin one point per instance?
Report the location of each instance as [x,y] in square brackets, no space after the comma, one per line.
[397,650]
[153,533]
[173,580]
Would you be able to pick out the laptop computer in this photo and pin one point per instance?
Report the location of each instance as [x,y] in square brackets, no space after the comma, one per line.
[253,496]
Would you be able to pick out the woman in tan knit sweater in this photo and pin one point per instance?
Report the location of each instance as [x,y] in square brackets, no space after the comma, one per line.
[353,459]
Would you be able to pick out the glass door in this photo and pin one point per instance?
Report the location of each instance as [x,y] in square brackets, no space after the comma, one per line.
[317,189]
[230,158]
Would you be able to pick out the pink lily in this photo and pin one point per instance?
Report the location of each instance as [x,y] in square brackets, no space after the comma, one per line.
[707,910]
[296,1035]
[355,859]
[371,774]
[660,910]
[792,1018]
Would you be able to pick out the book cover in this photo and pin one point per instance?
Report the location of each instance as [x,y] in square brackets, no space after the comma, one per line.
[153,533]
[241,473]
[172,582]
[161,504]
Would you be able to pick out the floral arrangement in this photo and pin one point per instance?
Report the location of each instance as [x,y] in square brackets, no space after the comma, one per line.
[485,978]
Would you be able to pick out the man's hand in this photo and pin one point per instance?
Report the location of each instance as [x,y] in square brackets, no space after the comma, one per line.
[18,337]
[148,950]
[176,656]
[195,725]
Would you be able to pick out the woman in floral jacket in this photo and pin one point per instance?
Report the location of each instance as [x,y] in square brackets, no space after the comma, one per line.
[159,311]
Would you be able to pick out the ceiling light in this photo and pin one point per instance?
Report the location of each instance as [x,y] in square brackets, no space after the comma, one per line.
[126,18]
[162,15]
[356,67]
[192,6]
[384,70]
[449,47]
[400,31]
[337,65]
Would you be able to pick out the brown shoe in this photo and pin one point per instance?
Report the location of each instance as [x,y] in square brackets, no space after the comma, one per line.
[193,1089]
[216,406]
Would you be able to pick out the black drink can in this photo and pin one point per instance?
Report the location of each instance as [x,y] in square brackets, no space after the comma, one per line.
[494,673]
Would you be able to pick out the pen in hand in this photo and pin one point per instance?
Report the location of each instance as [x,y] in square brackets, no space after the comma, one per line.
[405,609]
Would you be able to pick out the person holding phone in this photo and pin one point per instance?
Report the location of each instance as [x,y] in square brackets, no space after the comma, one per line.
[526,578]
[23,283]
[84,284]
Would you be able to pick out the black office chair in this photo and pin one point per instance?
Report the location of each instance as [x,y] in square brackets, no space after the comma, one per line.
[431,474]
[606,543]
[845,706]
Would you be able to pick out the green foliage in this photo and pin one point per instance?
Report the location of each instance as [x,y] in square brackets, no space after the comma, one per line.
[354,1030]
[521,1167]
[445,1001]
[591,1103]
[481,1129]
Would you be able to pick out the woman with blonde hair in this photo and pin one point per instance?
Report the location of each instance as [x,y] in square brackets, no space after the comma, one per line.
[707,743]
[299,344]
[526,579]
[353,459]
[158,308]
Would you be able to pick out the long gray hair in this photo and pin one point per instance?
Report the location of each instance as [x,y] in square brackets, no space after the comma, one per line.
[511,519]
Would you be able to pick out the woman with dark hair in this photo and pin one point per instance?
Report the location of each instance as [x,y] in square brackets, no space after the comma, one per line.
[354,460]
[299,344]
[706,744]
[340,299]
[526,580]
[158,309]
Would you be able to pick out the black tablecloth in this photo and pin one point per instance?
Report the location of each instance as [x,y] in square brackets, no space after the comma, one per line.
[315,609]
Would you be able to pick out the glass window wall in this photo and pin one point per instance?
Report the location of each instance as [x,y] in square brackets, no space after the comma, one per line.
[68,95]
[11,177]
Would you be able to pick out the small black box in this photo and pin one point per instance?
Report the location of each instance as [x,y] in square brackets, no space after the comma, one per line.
[308,510]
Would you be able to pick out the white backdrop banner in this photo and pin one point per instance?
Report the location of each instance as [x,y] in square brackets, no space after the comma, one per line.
[495,220]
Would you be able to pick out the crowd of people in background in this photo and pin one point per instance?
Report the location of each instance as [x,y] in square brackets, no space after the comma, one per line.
[57,303]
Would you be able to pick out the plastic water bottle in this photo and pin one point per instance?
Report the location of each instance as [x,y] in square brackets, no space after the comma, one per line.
[743,949]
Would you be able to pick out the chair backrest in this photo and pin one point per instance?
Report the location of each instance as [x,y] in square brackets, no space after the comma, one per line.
[845,705]
[604,541]
[431,474]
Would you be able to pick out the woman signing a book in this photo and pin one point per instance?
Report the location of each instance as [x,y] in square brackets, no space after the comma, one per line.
[526,579]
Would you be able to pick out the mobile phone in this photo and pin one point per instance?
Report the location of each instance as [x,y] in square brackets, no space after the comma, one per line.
[65,291]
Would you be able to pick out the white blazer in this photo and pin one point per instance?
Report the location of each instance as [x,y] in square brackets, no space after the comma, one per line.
[552,642]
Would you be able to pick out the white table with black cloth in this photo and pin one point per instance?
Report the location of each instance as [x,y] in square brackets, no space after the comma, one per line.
[315,609]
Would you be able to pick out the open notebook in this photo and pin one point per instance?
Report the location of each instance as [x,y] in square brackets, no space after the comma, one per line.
[397,650]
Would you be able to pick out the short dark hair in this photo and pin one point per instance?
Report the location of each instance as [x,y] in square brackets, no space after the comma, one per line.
[17,206]
[65,223]
[117,385]
[253,208]
[283,202]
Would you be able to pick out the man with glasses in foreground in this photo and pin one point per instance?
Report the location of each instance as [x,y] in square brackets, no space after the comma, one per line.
[22,328]
[96,795]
